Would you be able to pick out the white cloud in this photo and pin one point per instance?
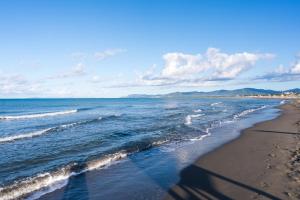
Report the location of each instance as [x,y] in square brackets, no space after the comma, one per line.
[16,84]
[108,53]
[281,73]
[296,68]
[96,79]
[76,71]
[222,65]
[198,69]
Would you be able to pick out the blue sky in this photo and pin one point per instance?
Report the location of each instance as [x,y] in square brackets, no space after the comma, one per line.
[115,48]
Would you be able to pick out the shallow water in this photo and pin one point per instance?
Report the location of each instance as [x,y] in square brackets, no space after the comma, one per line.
[90,148]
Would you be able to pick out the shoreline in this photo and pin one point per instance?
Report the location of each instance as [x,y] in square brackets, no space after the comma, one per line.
[262,163]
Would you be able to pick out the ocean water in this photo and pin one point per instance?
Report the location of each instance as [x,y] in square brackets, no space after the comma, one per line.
[54,148]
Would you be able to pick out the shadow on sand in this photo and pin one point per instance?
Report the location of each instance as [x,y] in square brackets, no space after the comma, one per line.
[290,133]
[198,183]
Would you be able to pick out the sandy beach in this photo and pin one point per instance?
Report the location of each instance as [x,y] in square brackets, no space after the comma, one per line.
[263,163]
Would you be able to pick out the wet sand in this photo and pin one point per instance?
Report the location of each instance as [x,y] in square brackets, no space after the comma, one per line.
[263,163]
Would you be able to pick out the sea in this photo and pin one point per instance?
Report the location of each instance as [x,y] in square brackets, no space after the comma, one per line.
[120,148]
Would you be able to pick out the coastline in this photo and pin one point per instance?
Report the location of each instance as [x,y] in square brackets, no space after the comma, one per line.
[260,164]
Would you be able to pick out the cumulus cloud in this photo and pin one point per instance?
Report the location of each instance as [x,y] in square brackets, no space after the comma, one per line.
[282,74]
[296,68]
[108,53]
[199,69]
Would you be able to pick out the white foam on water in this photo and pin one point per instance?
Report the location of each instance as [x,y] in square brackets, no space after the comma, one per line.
[44,131]
[160,142]
[106,161]
[245,112]
[215,104]
[29,185]
[69,125]
[200,137]
[24,135]
[188,118]
[55,186]
[198,111]
[283,102]
[34,134]
[49,114]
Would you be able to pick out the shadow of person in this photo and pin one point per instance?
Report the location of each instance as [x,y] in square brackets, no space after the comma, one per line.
[198,183]
[195,183]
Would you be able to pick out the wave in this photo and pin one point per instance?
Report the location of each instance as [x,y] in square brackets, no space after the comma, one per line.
[215,104]
[245,112]
[37,133]
[53,129]
[283,102]
[200,137]
[43,183]
[35,187]
[106,161]
[39,115]
[198,111]
[24,135]
[188,118]
[40,184]
[88,108]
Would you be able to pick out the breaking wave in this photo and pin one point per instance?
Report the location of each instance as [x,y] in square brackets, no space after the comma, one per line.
[198,111]
[283,102]
[245,112]
[39,115]
[215,104]
[53,129]
[49,181]
[188,118]
[201,137]
[24,135]
[43,183]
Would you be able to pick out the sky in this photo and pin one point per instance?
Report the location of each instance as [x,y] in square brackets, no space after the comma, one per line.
[110,48]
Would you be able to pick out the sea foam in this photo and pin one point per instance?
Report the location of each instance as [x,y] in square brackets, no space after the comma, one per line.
[215,104]
[198,111]
[245,112]
[283,102]
[39,115]
[188,118]
[24,135]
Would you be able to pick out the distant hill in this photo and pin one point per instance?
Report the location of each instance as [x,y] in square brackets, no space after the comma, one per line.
[218,93]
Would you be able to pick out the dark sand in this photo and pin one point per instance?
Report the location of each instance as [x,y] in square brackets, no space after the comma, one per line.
[263,163]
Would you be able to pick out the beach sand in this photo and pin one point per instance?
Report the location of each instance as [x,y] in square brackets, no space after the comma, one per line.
[263,163]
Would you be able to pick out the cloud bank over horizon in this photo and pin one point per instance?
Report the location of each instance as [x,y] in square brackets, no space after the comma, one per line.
[209,69]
